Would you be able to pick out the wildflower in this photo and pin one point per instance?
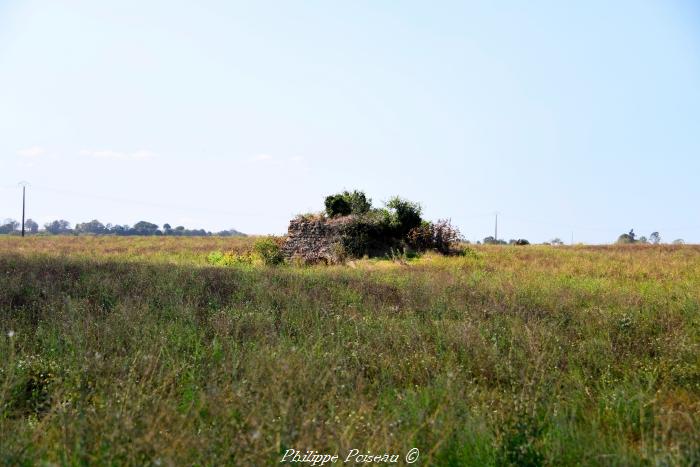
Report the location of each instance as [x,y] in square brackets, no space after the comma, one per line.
[10,334]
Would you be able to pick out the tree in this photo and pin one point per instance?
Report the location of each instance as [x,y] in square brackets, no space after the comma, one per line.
[679,241]
[58,227]
[144,228]
[31,226]
[643,239]
[337,205]
[556,241]
[359,203]
[8,226]
[119,229]
[93,227]
[655,238]
[345,203]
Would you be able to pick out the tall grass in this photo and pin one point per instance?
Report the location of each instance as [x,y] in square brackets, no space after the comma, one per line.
[136,351]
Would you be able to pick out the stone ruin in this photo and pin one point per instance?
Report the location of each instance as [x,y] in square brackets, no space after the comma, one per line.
[315,239]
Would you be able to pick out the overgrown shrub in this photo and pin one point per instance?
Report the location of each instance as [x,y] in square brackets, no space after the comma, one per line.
[369,234]
[406,215]
[337,205]
[269,249]
[440,236]
[445,235]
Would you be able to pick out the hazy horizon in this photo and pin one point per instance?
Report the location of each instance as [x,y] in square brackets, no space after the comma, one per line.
[580,119]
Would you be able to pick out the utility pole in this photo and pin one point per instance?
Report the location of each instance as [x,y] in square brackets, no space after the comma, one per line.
[24,197]
[572,237]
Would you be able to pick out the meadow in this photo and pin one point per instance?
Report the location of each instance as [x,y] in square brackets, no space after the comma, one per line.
[137,351]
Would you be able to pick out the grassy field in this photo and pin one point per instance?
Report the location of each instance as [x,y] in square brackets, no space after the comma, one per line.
[136,351]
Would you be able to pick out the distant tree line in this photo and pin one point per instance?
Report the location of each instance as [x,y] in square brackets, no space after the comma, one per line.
[95,227]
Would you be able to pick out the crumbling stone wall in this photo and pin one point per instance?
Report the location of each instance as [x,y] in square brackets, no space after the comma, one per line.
[314,240]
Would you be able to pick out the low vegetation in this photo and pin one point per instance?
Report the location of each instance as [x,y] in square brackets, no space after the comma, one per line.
[265,251]
[140,351]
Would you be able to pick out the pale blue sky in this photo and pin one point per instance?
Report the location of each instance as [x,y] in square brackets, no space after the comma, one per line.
[563,116]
